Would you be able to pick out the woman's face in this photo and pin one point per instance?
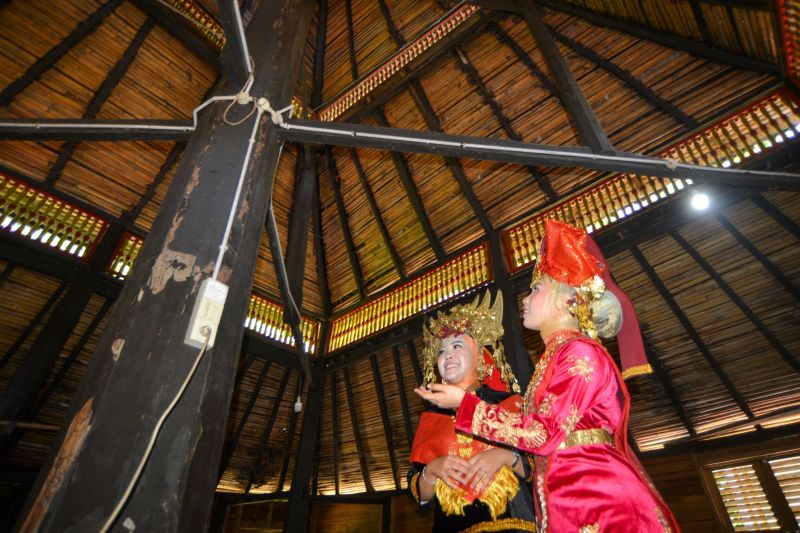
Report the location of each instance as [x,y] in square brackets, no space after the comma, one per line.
[457,360]
[533,306]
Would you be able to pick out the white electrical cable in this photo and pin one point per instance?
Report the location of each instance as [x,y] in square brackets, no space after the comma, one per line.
[224,244]
[121,503]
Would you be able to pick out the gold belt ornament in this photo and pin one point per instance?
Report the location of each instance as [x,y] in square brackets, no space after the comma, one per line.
[582,437]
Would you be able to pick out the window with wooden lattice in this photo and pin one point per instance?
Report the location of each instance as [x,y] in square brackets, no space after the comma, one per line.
[760,494]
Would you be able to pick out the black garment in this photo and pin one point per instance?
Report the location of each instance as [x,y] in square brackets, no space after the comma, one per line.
[521,506]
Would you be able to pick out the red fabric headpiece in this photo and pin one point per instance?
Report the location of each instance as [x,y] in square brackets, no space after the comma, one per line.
[569,255]
[563,255]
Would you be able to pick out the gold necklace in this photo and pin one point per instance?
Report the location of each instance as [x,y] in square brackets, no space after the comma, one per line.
[552,343]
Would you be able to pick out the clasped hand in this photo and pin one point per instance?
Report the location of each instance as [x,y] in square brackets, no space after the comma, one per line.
[444,396]
[476,472]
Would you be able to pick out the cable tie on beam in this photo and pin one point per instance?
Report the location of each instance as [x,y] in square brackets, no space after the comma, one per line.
[671,163]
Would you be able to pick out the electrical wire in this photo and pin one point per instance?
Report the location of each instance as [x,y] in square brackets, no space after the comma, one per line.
[121,503]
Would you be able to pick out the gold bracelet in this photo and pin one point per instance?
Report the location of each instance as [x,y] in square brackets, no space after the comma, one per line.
[426,479]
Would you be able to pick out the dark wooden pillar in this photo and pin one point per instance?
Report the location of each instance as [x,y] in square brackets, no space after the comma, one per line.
[141,361]
[303,464]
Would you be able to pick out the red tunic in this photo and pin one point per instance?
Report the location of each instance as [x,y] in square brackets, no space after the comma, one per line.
[585,481]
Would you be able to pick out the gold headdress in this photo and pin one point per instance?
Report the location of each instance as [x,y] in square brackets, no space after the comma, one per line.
[482,322]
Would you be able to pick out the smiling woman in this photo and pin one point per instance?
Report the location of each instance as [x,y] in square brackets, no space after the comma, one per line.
[471,484]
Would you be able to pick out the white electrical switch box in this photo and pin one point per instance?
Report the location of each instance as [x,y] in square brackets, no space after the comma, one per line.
[206,314]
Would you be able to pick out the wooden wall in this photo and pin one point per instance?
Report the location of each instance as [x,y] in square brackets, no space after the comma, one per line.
[679,478]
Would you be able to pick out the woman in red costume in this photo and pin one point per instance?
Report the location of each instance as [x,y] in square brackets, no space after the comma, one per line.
[575,412]
[473,485]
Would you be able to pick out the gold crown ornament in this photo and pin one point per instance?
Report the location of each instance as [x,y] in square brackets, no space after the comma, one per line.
[482,322]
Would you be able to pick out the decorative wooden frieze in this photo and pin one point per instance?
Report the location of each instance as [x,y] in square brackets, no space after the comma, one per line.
[33,214]
[756,129]
[458,276]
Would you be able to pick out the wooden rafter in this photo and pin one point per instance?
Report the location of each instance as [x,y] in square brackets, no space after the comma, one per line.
[264,440]
[700,20]
[41,401]
[673,41]
[376,213]
[583,118]
[401,387]
[669,389]
[644,91]
[771,267]
[691,332]
[166,167]
[736,299]
[302,202]
[336,429]
[234,441]
[34,323]
[462,62]
[456,170]
[355,267]
[57,52]
[407,179]
[188,36]
[351,407]
[387,427]
[491,149]
[289,440]
[101,95]
[777,215]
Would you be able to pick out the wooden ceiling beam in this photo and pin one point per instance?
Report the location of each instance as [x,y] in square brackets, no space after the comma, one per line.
[583,118]
[771,267]
[74,130]
[355,267]
[234,56]
[230,447]
[362,457]
[387,428]
[491,149]
[7,271]
[264,440]
[626,77]
[691,332]
[336,430]
[700,20]
[291,310]
[421,65]
[351,42]
[736,299]
[177,28]
[689,46]
[456,170]
[319,54]
[376,214]
[57,52]
[463,63]
[669,389]
[100,96]
[412,351]
[287,445]
[42,399]
[305,456]
[401,389]
[34,323]
[166,167]
[302,201]
[503,38]
[407,179]
[319,251]
[30,376]
[777,215]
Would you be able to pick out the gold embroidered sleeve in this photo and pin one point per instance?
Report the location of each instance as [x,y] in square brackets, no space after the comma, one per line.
[581,366]
[501,425]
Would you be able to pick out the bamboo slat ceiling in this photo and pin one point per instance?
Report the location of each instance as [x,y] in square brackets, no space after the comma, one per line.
[491,81]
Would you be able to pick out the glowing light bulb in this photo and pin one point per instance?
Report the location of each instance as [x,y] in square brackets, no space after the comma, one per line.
[700,201]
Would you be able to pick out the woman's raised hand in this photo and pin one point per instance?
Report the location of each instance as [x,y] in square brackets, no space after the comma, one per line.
[444,396]
[446,468]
